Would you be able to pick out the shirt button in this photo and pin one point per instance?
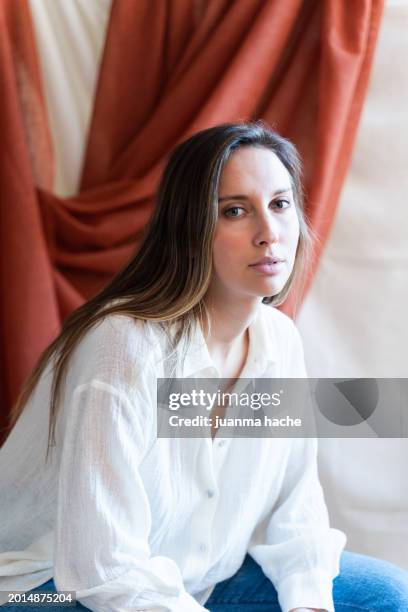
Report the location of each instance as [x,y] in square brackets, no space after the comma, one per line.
[203,547]
[221,443]
[210,493]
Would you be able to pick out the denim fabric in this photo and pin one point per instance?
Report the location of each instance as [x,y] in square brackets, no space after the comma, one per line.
[365,584]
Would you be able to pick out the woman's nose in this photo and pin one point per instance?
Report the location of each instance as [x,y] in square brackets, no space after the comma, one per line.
[267,230]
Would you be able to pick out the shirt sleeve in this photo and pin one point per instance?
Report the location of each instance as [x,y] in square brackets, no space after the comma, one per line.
[101,548]
[295,546]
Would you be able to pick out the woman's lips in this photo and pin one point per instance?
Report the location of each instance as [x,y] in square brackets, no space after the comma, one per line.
[268,268]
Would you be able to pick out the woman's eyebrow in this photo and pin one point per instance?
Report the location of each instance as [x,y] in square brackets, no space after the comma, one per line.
[244,197]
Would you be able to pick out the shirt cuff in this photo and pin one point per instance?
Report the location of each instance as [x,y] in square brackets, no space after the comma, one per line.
[312,589]
[152,602]
[184,603]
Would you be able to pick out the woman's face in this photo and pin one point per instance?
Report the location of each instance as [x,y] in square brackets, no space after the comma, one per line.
[257,219]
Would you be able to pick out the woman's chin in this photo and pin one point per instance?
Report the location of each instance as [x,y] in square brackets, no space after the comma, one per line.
[271,288]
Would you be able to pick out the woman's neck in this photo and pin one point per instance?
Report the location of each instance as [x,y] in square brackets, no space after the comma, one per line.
[229,320]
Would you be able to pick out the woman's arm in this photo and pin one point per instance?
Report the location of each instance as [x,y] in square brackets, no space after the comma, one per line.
[103,517]
[295,545]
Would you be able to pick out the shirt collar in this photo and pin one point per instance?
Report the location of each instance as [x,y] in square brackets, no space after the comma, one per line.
[262,349]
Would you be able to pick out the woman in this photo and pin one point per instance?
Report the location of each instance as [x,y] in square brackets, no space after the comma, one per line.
[130,521]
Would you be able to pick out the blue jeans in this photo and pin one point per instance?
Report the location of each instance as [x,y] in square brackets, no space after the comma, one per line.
[365,584]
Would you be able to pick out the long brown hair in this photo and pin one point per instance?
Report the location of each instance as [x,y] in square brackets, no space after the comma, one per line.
[167,278]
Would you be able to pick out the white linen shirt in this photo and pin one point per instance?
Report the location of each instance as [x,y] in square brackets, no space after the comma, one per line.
[134,522]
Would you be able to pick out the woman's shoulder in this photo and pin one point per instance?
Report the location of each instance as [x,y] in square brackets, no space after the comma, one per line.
[118,348]
[119,332]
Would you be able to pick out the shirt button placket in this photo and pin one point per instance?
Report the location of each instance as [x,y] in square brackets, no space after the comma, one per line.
[210,494]
[202,522]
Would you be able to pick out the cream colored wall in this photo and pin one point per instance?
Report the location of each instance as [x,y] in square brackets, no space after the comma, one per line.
[354,321]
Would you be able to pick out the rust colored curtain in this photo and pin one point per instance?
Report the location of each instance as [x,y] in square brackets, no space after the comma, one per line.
[169,68]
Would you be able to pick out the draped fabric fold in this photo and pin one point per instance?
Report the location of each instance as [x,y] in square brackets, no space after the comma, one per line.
[169,68]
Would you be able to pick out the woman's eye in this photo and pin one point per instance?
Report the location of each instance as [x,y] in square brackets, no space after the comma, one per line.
[233,211]
[281,204]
